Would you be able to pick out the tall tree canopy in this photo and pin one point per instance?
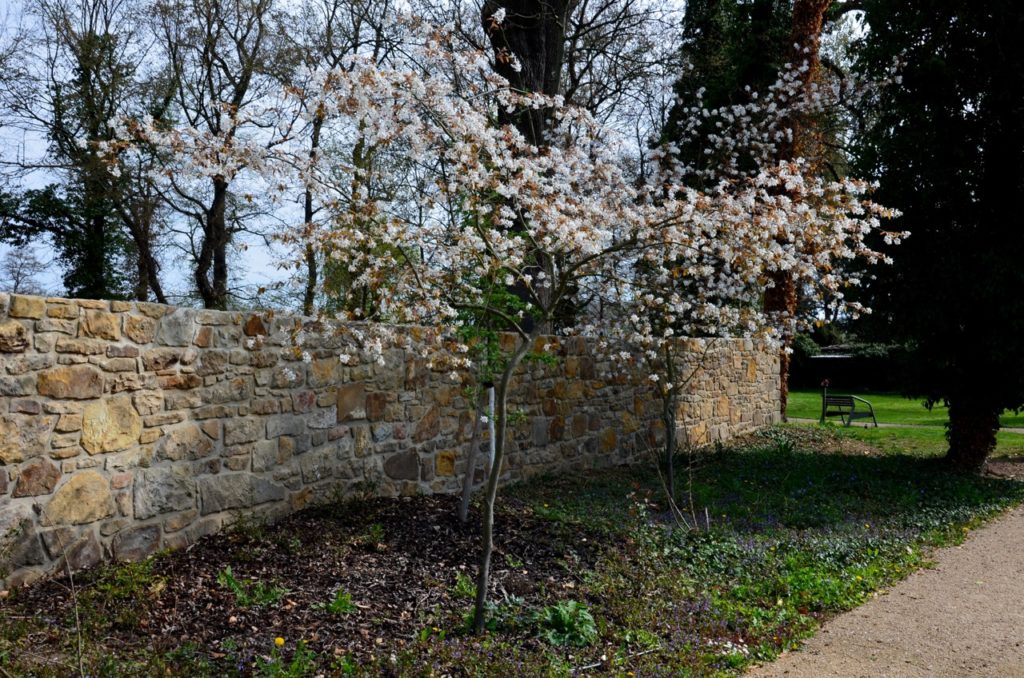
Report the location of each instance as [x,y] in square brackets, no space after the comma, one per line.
[946,144]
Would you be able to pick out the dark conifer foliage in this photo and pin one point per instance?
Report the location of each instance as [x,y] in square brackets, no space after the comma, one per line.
[946,143]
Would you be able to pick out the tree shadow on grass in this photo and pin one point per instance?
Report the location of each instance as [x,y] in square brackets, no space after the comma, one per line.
[763,489]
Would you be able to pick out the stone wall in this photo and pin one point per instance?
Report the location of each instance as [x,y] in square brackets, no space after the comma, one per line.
[129,427]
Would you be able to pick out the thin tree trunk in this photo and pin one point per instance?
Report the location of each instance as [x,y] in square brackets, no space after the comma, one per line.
[471,453]
[309,297]
[780,303]
[669,417]
[972,436]
[487,521]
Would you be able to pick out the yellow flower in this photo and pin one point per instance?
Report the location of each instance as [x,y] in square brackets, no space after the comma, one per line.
[279,641]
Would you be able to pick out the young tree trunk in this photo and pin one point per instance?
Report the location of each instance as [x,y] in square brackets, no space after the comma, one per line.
[471,453]
[487,521]
[668,415]
[669,403]
[972,436]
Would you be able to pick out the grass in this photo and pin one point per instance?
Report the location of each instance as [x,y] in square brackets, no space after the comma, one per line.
[889,408]
[792,537]
[924,441]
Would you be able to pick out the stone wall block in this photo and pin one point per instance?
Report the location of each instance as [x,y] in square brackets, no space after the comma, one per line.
[164,490]
[137,543]
[78,382]
[140,329]
[403,466]
[109,425]
[428,426]
[243,431]
[23,437]
[36,478]
[13,337]
[85,498]
[80,346]
[184,442]
[100,324]
[351,402]
[21,306]
[177,328]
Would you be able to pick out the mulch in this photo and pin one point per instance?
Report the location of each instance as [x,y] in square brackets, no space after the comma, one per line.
[397,558]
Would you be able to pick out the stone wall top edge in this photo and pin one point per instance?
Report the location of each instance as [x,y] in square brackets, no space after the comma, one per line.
[240,314]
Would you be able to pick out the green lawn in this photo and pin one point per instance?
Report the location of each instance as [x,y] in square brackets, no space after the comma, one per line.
[889,409]
[925,441]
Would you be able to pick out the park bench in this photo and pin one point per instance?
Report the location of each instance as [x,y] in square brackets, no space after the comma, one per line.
[845,407]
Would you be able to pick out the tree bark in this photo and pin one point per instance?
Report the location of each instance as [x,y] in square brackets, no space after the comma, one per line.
[213,251]
[780,302]
[972,436]
[487,521]
[471,454]
[529,52]
[533,32]
[312,274]
[805,41]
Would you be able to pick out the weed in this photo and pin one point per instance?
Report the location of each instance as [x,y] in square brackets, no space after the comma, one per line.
[464,587]
[374,537]
[250,594]
[343,665]
[567,622]
[303,662]
[430,632]
[340,604]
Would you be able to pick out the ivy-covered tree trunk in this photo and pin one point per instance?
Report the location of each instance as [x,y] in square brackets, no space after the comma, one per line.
[805,41]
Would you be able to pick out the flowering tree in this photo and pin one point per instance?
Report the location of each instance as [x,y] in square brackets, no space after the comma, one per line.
[478,210]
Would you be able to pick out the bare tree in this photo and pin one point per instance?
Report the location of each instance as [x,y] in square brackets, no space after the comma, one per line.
[20,269]
[79,69]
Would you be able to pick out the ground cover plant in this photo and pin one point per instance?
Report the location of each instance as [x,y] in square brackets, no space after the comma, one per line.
[890,408]
[590,574]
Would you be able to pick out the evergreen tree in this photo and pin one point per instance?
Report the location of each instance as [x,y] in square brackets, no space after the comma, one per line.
[730,48]
[946,144]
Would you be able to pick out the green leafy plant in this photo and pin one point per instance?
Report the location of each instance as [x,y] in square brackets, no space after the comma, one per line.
[250,594]
[121,596]
[464,587]
[429,632]
[373,538]
[340,604]
[343,665]
[568,622]
[303,662]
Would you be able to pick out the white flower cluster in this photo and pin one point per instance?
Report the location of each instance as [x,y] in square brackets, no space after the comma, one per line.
[441,206]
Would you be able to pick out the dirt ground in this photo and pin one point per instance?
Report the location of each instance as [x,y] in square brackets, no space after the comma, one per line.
[964,617]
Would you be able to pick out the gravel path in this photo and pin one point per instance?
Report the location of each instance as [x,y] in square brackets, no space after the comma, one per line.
[965,618]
